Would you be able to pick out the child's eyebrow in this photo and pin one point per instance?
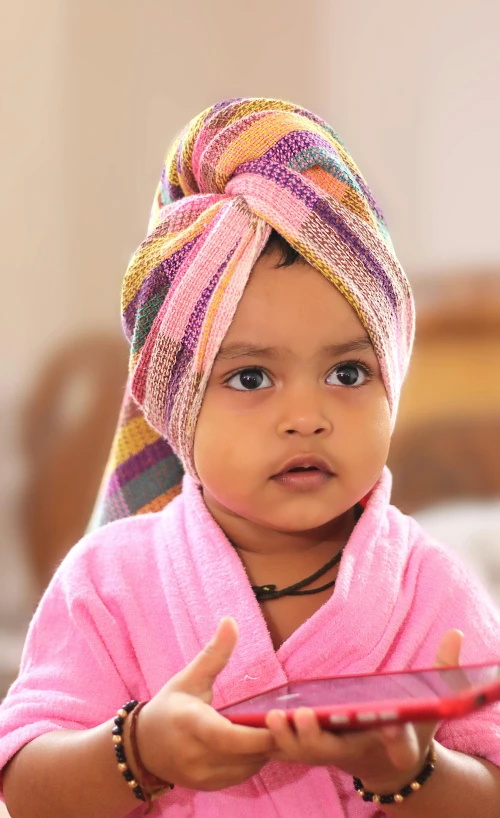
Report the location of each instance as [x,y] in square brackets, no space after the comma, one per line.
[248,350]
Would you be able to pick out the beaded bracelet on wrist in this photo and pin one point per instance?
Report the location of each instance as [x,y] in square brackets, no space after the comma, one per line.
[398,797]
[152,786]
[121,758]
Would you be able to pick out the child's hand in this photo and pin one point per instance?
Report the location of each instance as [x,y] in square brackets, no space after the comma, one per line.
[183,740]
[385,759]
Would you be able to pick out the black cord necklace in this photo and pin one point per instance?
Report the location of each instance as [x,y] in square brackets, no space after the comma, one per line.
[265,592]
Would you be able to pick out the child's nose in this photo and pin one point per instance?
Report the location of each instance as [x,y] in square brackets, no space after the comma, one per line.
[305,418]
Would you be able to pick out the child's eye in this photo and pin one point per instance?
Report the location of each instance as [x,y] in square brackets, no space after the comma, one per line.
[248,380]
[349,374]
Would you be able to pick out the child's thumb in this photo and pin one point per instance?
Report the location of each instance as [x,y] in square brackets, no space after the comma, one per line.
[198,677]
[448,652]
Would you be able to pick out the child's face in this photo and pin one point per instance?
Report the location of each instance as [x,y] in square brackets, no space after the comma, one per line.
[276,392]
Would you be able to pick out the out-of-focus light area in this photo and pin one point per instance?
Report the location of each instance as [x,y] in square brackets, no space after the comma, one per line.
[92,95]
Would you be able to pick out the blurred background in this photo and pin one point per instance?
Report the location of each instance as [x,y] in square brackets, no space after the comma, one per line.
[92,94]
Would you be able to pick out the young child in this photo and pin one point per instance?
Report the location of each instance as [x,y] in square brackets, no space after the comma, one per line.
[270,326]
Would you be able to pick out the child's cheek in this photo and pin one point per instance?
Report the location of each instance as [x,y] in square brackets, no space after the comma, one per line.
[216,439]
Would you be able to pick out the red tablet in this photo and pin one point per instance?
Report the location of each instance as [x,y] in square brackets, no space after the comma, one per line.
[369,700]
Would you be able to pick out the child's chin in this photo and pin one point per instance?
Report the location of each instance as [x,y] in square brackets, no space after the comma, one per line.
[306,511]
[297,522]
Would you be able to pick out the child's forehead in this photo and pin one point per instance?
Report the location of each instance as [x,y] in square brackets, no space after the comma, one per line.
[286,306]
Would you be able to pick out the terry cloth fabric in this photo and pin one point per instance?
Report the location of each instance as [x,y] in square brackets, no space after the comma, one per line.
[239,169]
[111,628]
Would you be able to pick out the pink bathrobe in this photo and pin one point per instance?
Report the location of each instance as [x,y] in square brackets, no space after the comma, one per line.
[136,600]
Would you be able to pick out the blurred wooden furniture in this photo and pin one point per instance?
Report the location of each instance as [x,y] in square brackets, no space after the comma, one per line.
[446,445]
[68,426]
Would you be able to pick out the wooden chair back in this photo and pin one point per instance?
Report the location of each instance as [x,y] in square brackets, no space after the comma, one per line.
[446,445]
[68,424]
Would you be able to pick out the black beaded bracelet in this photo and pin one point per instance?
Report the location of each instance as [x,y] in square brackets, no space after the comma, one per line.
[396,798]
[120,749]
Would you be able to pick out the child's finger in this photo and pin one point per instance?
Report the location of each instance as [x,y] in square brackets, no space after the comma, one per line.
[221,736]
[316,743]
[308,742]
[402,745]
[198,677]
[282,732]
[448,652]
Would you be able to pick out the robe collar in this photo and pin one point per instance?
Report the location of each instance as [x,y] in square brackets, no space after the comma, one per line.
[343,637]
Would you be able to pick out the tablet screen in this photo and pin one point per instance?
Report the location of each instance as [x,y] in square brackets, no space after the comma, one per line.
[355,690]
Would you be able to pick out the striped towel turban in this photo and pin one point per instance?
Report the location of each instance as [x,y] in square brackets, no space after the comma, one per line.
[238,169]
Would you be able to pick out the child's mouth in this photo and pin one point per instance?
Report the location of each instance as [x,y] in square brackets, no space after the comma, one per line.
[304,474]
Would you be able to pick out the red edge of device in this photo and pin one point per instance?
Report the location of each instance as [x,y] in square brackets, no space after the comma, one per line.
[368,715]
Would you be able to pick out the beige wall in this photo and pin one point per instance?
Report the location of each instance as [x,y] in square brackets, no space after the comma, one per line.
[35,284]
[414,88]
[92,93]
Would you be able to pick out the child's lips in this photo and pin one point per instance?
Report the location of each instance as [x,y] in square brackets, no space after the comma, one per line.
[303,480]
[304,473]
